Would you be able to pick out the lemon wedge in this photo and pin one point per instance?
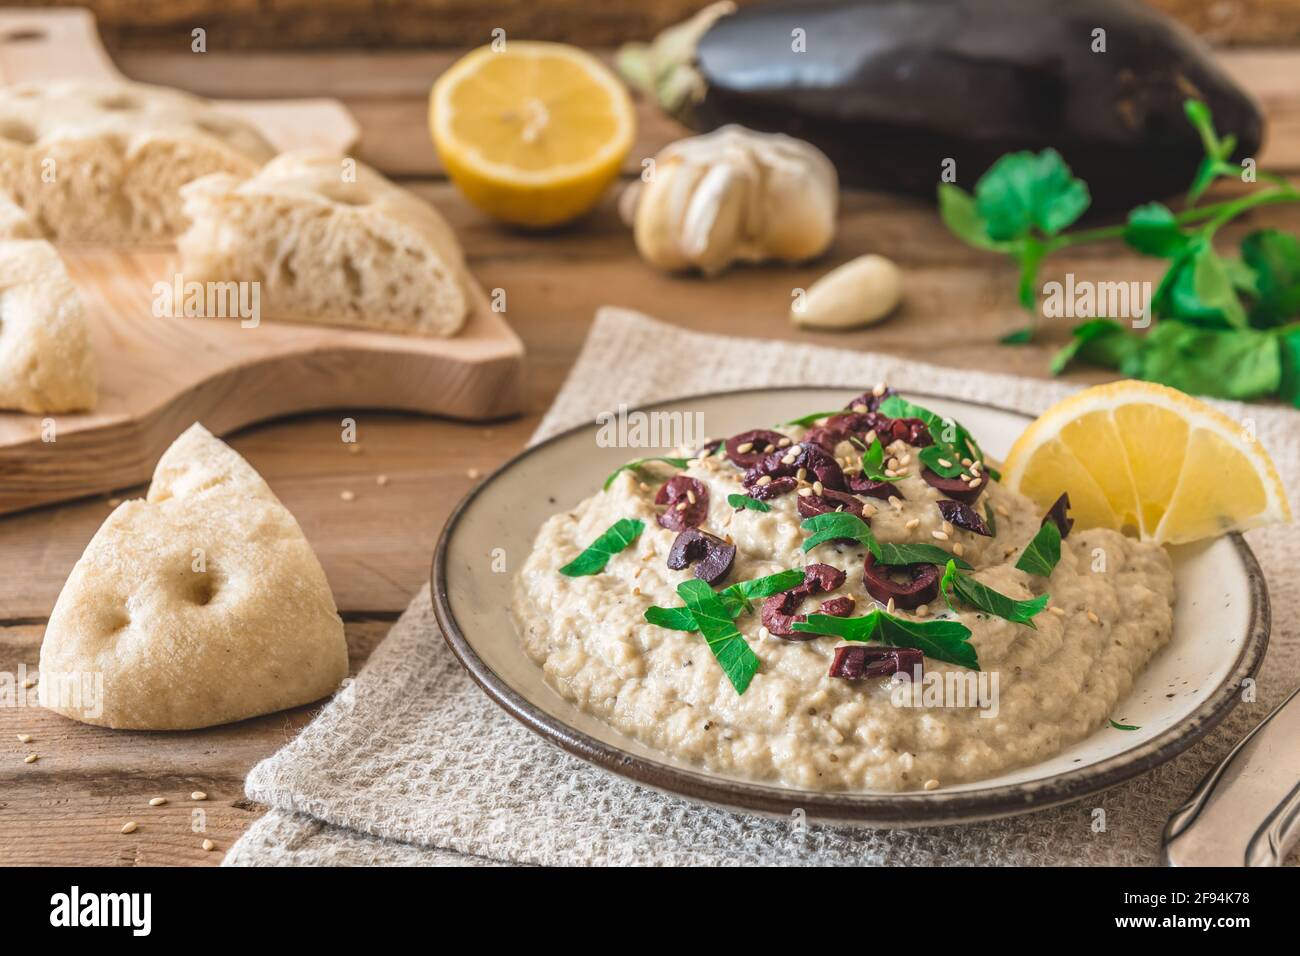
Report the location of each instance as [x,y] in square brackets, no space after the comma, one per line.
[531,134]
[1150,461]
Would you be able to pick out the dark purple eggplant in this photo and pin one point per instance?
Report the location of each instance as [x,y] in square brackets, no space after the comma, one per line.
[890,89]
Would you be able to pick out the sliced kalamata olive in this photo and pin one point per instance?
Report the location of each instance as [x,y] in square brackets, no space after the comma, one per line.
[755,443]
[711,556]
[862,485]
[963,516]
[1059,513]
[778,611]
[687,501]
[908,585]
[827,501]
[857,661]
[772,489]
[708,448]
[838,607]
[911,430]
[954,488]
[786,462]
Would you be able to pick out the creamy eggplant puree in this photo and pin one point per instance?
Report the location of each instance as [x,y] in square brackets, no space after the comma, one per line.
[1110,609]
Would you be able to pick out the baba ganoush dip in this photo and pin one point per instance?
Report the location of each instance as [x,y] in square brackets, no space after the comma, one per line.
[930,627]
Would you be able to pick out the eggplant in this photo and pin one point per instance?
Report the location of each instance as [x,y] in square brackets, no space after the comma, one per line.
[891,89]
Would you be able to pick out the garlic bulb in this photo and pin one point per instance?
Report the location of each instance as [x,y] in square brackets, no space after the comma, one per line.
[733,195]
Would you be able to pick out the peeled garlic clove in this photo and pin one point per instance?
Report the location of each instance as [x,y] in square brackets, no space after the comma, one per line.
[860,292]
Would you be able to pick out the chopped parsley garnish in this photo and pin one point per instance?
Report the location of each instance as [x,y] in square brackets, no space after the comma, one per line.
[735,599]
[1042,553]
[947,641]
[636,463]
[740,502]
[873,463]
[989,520]
[952,442]
[738,662]
[597,554]
[1124,726]
[984,598]
[840,525]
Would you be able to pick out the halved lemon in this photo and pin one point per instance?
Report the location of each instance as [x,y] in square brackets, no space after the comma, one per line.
[532,133]
[1148,460]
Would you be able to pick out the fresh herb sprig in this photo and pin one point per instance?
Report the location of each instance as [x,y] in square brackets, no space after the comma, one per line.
[947,641]
[743,502]
[873,463]
[636,464]
[728,645]
[736,599]
[1228,324]
[957,583]
[1043,552]
[843,526]
[596,555]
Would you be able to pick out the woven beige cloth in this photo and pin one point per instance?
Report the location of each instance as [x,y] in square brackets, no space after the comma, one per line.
[411,764]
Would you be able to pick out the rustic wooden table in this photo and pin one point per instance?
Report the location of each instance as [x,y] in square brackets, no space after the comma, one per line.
[69,806]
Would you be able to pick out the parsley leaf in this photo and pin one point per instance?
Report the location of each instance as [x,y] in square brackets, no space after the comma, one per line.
[873,463]
[1274,258]
[597,554]
[635,465]
[1042,553]
[738,661]
[1119,726]
[894,554]
[947,641]
[984,598]
[767,586]
[1153,230]
[741,502]
[989,520]
[1022,192]
[1224,363]
[952,441]
[1102,342]
[835,525]
[674,618]
[735,599]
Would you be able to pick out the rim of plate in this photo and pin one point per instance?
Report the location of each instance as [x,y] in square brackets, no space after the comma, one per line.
[847,807]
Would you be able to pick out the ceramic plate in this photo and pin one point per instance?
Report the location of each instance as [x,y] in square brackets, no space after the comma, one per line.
[1221,625]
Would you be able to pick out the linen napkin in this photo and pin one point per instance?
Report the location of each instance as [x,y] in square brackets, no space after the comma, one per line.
[412,764]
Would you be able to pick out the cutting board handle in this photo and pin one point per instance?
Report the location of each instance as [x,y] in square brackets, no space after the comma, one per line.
[52,44]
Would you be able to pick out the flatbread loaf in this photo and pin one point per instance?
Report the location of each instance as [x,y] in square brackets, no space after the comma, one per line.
[46,362]
[104,162]
[331,241]
[199,605]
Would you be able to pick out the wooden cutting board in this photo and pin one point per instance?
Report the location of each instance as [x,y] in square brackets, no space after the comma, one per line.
[159,375]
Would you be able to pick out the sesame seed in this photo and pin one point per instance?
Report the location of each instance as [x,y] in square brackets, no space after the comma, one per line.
[1058,611]
[690,496]
[945,462]
[788,460]
[24,738]
[890,473]
[976,467]
[958,548]
[472,474]
[784,442]
[764,632]
[947,527]
[1001,509]
[31,758]
[923,610]
[860,408]
[1094,618]
[940,535]
[765,480]
[893,463]
[744,447]
[878,390]
[381,480]
[896,502]
[801,474]
[208,845]
[912,524]
[768,449]
[681,506]
[905,460]
[347,495]
[890,606]
[817,488]
[868,511]
[157,801]
[129,826]
[804,492]
[643,486]
[796,449]
[932,784]
[967,462]
[198,795]
[976,482]
[871,436]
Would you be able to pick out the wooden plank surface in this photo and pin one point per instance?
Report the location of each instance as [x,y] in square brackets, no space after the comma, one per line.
[69,806]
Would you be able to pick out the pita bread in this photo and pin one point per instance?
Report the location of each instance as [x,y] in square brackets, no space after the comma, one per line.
[327,246]
[199,605]
[14,222]
[46,363]
[104,162]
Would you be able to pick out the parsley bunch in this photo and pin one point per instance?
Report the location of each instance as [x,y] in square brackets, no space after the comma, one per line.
[1226,324]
